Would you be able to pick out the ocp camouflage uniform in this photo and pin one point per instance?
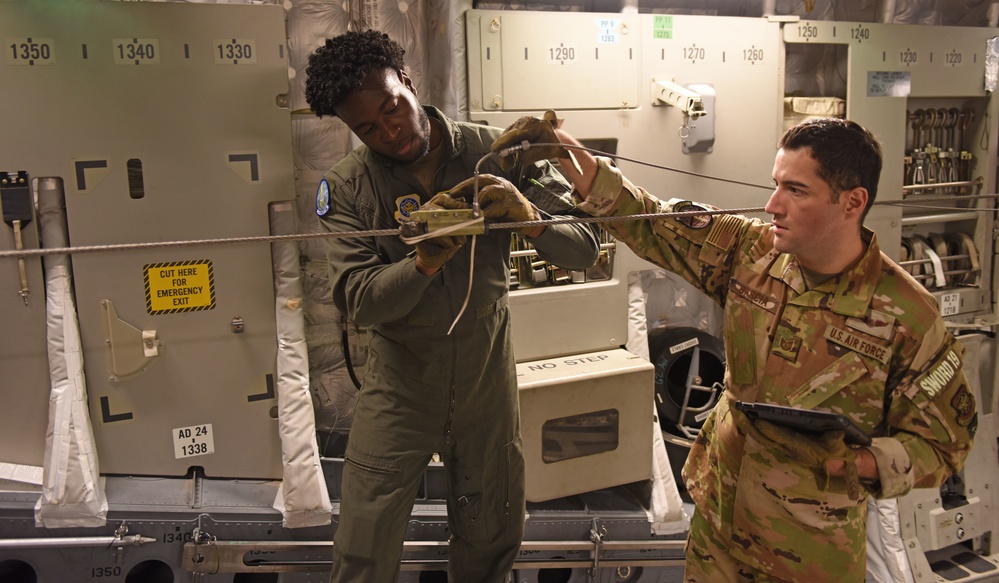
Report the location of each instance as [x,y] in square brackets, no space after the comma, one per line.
[868,343]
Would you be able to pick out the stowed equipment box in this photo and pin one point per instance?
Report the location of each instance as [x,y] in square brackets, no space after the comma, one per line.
[587,422]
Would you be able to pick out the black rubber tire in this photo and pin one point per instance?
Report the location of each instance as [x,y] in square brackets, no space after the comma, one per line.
[672,369]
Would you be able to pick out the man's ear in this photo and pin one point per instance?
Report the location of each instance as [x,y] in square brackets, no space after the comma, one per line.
[407,81]
[855,201]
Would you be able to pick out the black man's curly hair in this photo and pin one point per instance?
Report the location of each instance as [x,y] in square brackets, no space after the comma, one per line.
[339,66]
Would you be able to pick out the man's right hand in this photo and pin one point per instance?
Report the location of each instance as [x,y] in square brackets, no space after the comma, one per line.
[433,253]
[822,452]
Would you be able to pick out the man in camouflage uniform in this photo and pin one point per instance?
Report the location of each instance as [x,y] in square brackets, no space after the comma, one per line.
[816,317]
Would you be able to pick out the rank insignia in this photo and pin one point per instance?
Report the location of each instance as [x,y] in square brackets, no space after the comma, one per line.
[786,345]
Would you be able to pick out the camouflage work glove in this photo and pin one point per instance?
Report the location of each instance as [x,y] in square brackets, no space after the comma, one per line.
[533,130]
[436,251]
[814,451]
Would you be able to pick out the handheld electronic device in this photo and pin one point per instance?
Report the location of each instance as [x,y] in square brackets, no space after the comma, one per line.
[805,420]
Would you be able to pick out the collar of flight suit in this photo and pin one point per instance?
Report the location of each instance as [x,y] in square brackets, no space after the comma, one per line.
[847,294]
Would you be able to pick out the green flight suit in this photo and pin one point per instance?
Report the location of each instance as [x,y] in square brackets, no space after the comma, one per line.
[868,343]
[425,391]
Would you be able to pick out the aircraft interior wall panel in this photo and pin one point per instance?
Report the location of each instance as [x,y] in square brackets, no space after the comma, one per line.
[24,372]
[191,93]
[739,58]
[894,71]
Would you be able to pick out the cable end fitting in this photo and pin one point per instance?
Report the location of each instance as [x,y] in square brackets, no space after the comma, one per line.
[525,145]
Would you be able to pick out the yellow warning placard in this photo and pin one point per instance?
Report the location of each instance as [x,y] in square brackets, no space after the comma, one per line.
[179,286]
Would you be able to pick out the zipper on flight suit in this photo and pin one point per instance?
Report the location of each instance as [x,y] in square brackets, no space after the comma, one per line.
[446,275]
[450,157]
[450,414]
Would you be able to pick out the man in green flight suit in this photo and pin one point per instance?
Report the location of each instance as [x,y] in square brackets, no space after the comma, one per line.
[816,316]
[428,389]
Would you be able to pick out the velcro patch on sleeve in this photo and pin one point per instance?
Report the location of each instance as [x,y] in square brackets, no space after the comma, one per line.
[939,375]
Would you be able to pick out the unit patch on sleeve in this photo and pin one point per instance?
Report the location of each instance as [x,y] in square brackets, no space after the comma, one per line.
[694,221]
[964,404]
[323,198]
[940,375]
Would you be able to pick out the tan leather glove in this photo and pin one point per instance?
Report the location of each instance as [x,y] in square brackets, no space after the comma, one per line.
[499,201]
[533,130]
[464,191]
[437,251]
[445,200]
[815,451]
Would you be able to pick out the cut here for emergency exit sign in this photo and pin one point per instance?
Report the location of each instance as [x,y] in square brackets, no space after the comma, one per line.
[179,286]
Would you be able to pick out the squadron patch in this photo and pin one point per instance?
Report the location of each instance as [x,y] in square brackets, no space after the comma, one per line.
[323,198]
[964,404]
[405,206]
[693,221]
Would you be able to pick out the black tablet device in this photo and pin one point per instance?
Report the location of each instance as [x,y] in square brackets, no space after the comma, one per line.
[805,420]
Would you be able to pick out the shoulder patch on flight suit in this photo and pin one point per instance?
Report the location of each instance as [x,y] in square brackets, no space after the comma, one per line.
[857,344]
[323,198]
[405,206]
[964,404]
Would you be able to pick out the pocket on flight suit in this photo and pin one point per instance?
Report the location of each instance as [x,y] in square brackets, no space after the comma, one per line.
[487,498]
[469,522]
[745,354]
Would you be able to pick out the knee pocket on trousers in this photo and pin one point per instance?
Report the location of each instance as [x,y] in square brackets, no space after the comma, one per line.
[484,497]
[471,517]
[469,503]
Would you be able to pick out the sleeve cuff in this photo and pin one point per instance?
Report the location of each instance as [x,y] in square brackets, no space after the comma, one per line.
[605,189]
[894,467]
